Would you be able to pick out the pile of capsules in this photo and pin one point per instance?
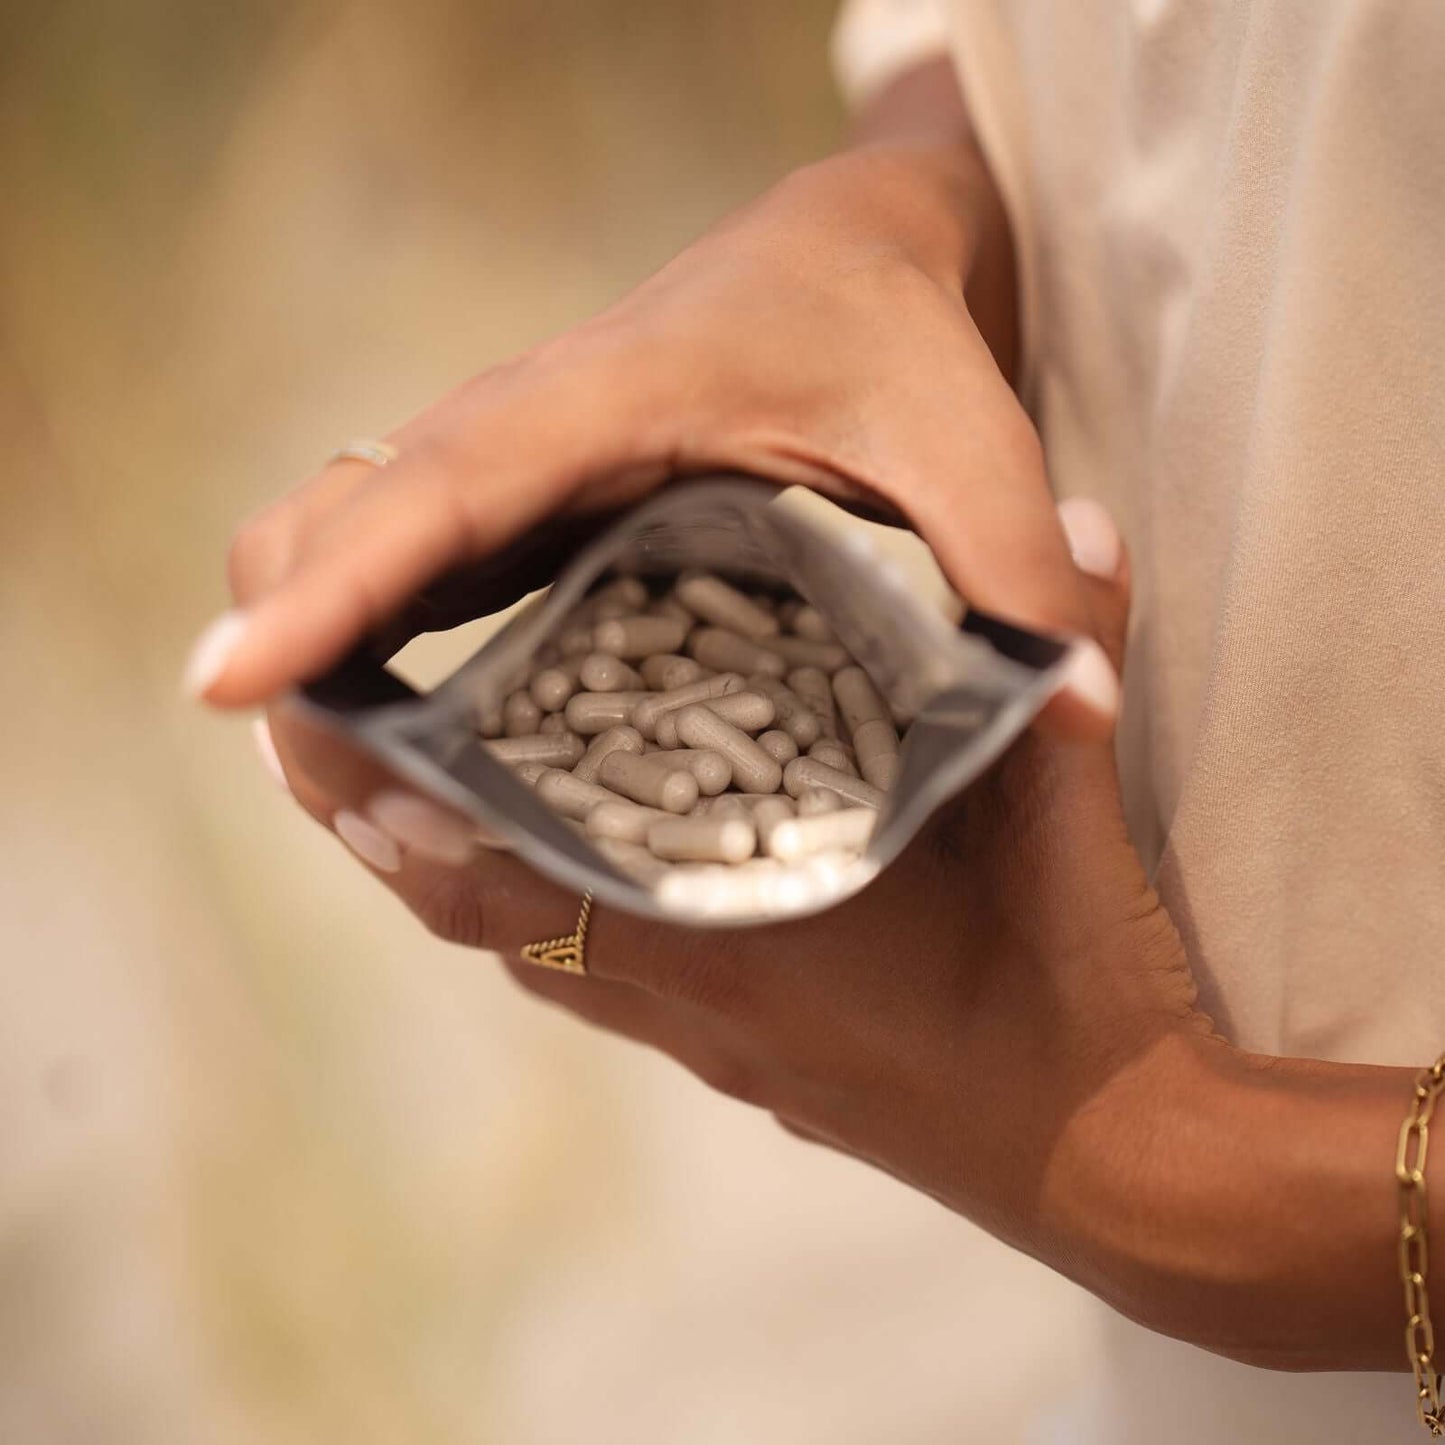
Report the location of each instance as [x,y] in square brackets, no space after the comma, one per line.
[720,748]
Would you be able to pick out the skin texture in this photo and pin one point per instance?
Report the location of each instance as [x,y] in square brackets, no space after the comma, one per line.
[1007,1019]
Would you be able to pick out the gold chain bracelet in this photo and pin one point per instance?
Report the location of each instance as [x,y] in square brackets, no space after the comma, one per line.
[1410,1160]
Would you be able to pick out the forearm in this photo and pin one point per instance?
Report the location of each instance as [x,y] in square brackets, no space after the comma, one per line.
[1248,1205]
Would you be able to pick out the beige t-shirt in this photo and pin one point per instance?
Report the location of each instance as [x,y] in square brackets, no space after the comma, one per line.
[1230,221]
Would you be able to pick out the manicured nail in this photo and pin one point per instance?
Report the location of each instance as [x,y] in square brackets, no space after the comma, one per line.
[1091,678]
[422,826]
[266,746]
[212,651]
[1093,537]
[367,841]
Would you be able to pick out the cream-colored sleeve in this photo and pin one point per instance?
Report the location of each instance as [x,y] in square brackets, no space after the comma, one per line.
[875,41]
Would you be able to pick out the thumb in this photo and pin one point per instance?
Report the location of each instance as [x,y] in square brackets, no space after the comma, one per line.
[1102,559]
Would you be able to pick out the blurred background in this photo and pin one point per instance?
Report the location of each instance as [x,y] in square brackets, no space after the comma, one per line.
[274,1165]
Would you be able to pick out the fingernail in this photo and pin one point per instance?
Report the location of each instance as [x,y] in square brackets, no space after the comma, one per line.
[1093,537]
[422,826]
[266,746]
[367,841]
[1091,678]
[212,651]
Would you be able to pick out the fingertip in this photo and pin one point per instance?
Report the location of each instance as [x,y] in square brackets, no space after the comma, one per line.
[211,653]
[1094,539]
[266,748]
[1086,705]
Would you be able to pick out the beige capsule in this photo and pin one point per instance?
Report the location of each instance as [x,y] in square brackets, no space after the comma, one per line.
[590,713]
[718,602]
[725,805]
[796,838]
[647,712]
[834,755]
[490,723]
[552,686]
[813,801]
[601,672]
[804,652]
[639,636]
[768,812]
[520,715]
[568,795]
[870,724]
[748,711]
[554,722]
[669,606]
[664,671]
[726,651]
[759,887]
[630,592]
[778,745]
[794,715]
[528,773]
[812,685]
[552,750]
[575,639]
[625,821]
[633,860]
[808,622]
[644,780]
[804,773]
[703,840]
[710,769]
[753,770]
[621,739]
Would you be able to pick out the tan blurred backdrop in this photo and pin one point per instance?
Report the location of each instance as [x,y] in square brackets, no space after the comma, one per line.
[274,1166]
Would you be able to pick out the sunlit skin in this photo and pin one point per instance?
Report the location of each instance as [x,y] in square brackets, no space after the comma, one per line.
[1007,1019]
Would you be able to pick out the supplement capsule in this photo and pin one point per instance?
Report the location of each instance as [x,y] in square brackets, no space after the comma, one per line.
[834,754]
[489,722]
[671,607]
[793,839]
[573,640]
[730,652]
[664,671]
[529,772]
[813,801]
[647,712]
[794,715]
[767,813]
[803,652]
[804,773]
[716,601]
[552,750]
[624,821]
[645,781]
[621,739]
[520,715]
[633,861]
[631,592]
[552,686]
[753,770]
[569,795]
[778,745]
[812,685]
[639,636]
[726,805]
[710,769]
[601,672]
[875,739]
[748,711]
[808,622]
[554,722]
[590,713]
[703,840]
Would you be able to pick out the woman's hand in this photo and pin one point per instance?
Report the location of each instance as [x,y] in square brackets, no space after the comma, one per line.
[820,336]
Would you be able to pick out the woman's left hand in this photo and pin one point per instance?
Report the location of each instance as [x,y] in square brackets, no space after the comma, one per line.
[976,1022]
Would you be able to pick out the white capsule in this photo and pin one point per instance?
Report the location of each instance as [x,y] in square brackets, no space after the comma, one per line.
[490,723]
[748,711]
[553,750]
[875,739]
[812,685]
[644,780]
[797,838]
[622,820]
[794,715]
[664,671]
[528,773]
[803,652]
[710,769]
[731,652]
[768,812]
[725,805]
[813,801]
[520,715]
[703,840]
[552,686]
[716,601]
[808,622]
[601,672]
[778,745]
[633,860]
[639,636]
[753,770]
[834,754]
[554,722]
[569,795]
[621,739]
[647,712]
[804,773]
[590,713]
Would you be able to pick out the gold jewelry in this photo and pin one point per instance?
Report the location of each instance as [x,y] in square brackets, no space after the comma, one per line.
[365,449]
[568,955]
[1414,1246]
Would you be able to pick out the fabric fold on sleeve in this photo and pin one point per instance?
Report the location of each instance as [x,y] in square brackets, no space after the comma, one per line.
[875,41]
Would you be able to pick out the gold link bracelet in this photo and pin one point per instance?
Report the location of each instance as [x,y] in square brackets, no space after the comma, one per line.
[1414,1248]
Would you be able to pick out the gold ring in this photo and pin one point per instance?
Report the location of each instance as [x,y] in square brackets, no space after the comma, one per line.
[567,955]
[365,449]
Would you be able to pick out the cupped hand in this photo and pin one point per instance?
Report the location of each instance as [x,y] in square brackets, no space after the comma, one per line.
[820,336]
[953,1024]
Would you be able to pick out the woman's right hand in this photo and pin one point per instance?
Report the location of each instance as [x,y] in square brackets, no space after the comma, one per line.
[820,336]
